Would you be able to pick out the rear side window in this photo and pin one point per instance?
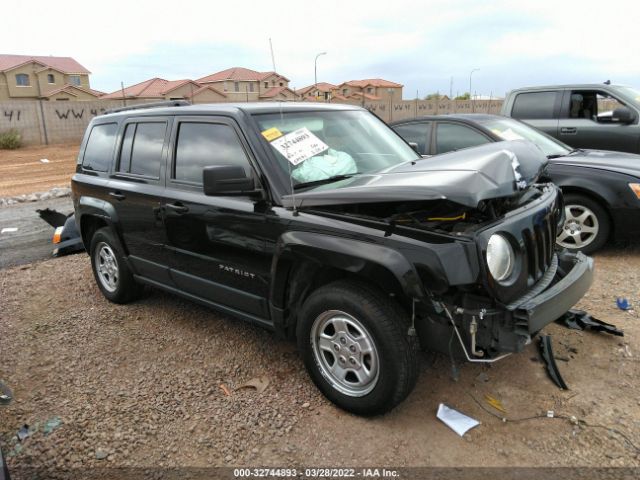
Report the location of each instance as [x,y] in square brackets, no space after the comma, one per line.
[450,137]
[141,152]
[99,150]
[416,133]
[201,145]
[534,105]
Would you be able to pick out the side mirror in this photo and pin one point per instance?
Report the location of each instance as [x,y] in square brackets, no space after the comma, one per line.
[226,180]
[414,145]
[623,115]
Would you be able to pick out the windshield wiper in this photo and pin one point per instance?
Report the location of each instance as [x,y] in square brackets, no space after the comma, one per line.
[335,178]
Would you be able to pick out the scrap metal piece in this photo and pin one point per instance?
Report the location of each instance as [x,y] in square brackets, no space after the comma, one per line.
[581,320]
[546,351]
[52,217]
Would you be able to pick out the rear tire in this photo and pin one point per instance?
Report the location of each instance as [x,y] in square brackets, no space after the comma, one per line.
[355,346]
[110,270]
[587,224]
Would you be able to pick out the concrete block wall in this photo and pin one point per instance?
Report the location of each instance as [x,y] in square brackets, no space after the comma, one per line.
[46,122]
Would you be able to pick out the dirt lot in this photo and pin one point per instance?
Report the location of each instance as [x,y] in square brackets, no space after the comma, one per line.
[139,385]
[21,171]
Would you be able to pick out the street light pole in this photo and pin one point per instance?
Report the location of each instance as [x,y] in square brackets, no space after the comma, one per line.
[315,72]
[473,107]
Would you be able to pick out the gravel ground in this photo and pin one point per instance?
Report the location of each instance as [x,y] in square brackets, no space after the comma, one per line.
[23,172]
[140,385]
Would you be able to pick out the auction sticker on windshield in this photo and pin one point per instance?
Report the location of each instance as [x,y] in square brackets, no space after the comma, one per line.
[299,145]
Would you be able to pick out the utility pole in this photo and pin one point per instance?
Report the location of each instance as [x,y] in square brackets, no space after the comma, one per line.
[315,73]
[473,107]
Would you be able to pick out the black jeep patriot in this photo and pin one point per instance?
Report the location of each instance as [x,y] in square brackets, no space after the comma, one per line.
[320,223]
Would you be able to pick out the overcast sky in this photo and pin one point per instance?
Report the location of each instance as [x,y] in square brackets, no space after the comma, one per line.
[421,44]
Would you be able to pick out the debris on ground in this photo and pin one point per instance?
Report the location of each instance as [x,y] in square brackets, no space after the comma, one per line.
[44,160]
[52,217]
[482,377]
[5,394]
[495,403]
[52,424]
[456,421]
[581,320]
[9,230]
[260,384]
[225,389]
[24,432]
[101,454]
[623,303]
[546,351]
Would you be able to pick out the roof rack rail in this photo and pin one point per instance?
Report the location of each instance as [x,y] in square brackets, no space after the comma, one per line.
[140,106]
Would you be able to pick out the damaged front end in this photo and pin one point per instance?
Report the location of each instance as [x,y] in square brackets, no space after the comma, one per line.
[506,278]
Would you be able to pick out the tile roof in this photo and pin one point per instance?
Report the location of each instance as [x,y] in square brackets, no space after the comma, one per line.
[68,86]
[238,74]
[374,82]
[63,64]
[322,86]
[205,87]
[152,88]
[272,92]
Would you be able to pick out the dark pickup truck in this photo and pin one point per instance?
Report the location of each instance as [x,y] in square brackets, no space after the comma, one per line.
[320,223]
[592,116]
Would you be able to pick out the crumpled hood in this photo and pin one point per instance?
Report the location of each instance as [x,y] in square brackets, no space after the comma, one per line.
[627,163]
[466,177]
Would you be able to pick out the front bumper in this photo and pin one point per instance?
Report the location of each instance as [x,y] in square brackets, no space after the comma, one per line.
[556,300]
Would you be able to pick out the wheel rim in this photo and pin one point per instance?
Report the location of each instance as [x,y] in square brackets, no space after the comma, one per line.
[345,353]
[580,227]
[106,267]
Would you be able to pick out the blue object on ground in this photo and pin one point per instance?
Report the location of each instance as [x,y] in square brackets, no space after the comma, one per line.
[623,303]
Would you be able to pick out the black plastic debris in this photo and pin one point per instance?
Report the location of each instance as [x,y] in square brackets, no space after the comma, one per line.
[546,351]
[52,217]
[581,320]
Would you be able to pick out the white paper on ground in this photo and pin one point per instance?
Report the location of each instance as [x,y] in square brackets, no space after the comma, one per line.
[44,160]
[9,230]
[456,421]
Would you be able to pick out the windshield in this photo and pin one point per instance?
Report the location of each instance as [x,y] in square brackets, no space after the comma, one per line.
[316,146]
[509,129]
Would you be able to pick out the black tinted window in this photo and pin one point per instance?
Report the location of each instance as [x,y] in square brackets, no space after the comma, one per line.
[534,105]
[146,153]
[451,136]
[416,133]
[206,144]
[125,151]
[99,150]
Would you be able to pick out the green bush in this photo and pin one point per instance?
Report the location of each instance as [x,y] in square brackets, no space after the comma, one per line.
[10,140]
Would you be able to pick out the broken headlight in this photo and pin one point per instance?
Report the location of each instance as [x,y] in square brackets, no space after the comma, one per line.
[500,257]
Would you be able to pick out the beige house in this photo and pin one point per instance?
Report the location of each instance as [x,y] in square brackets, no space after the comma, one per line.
[24,77]
[245,85]
[160,89]
[374,89]
[321,92]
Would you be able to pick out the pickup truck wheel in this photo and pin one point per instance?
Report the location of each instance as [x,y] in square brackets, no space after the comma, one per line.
[112,274]
[355,346]
[586,227]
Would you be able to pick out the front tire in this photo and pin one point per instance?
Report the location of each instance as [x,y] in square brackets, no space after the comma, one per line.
[355,345]
[587,225]
[110,270]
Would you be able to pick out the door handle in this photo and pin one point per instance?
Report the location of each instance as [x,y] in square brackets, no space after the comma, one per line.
[177,207]
[117,195]
[568,130]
